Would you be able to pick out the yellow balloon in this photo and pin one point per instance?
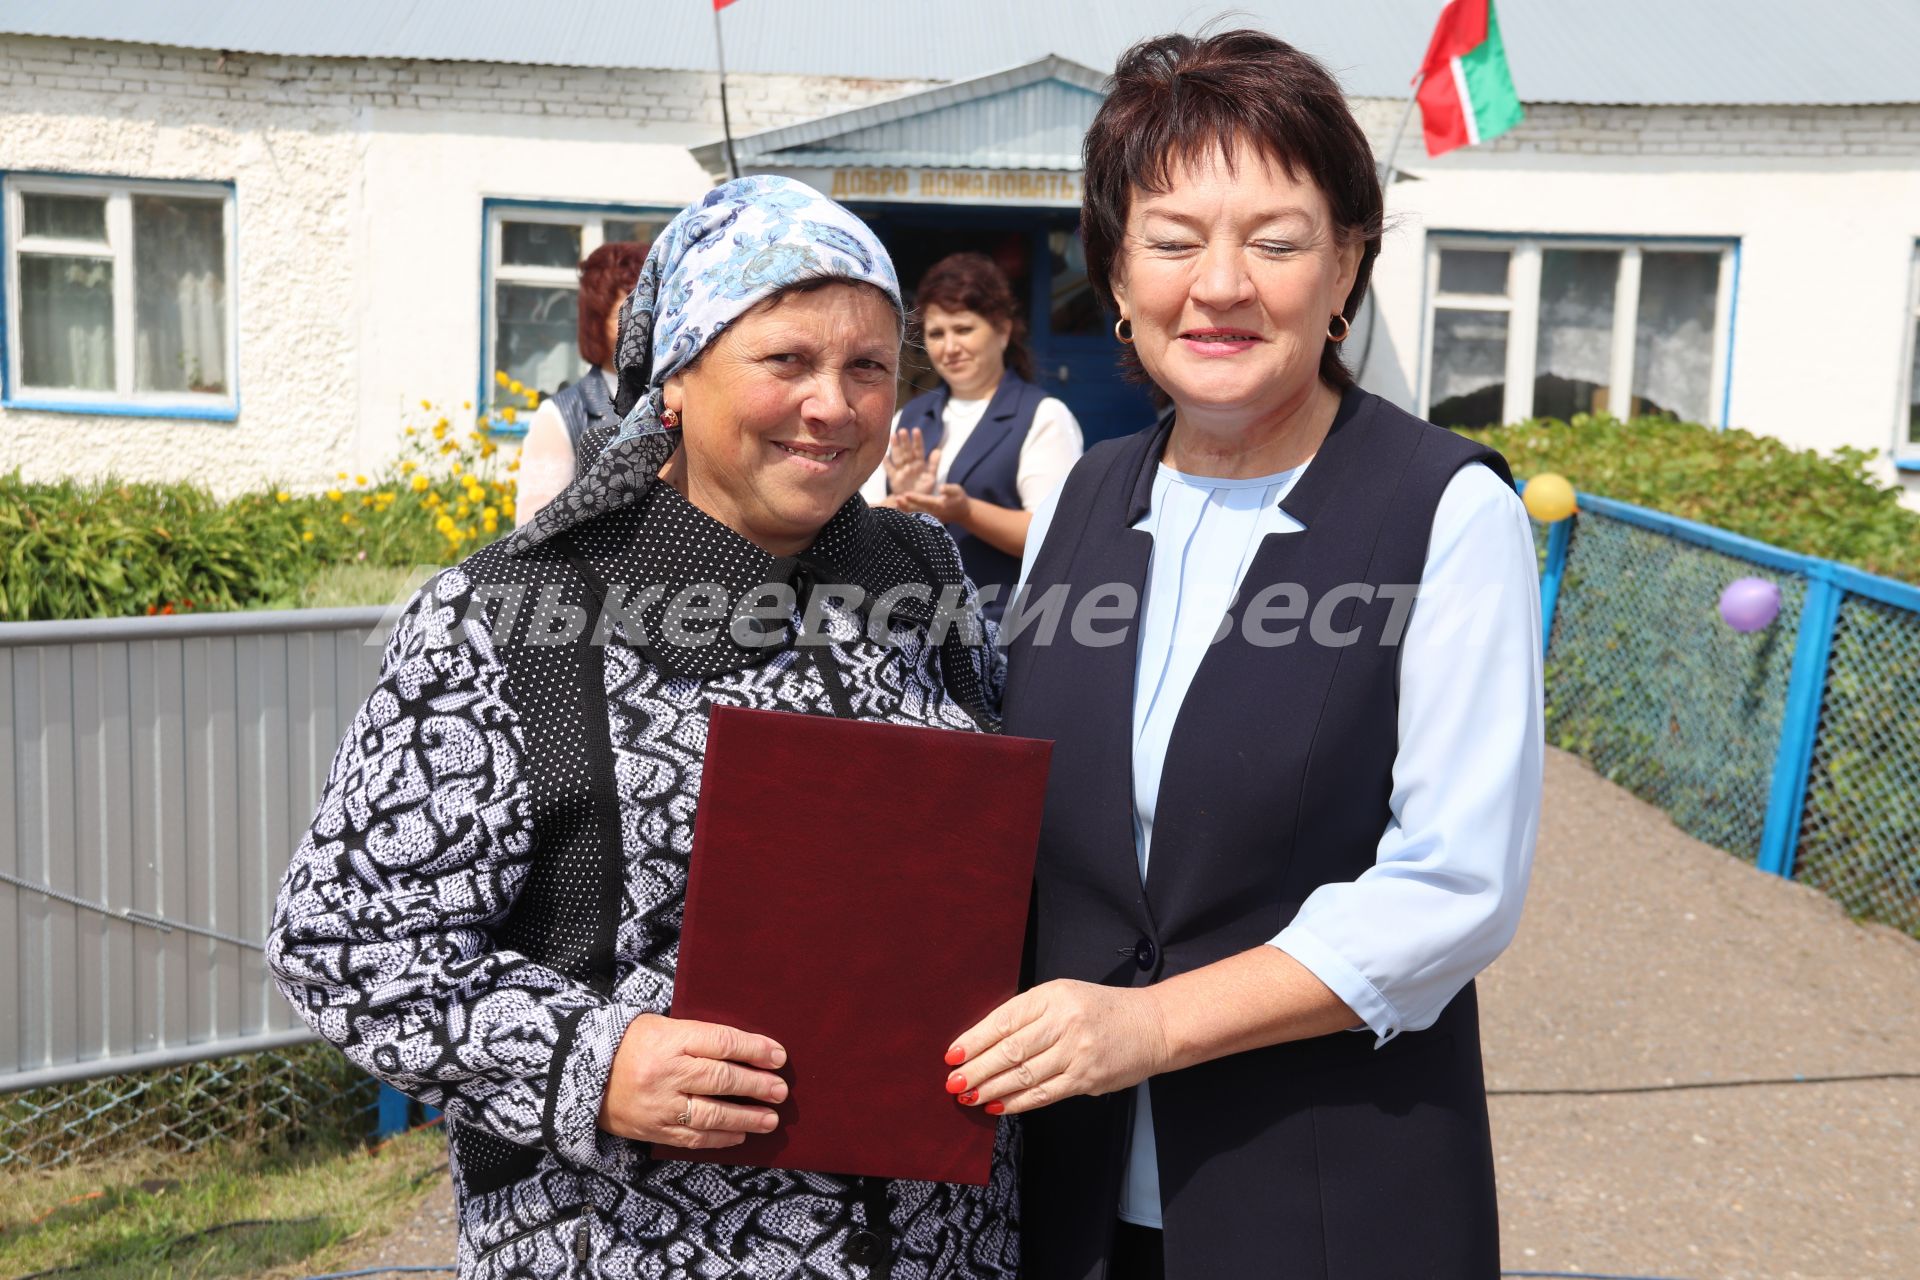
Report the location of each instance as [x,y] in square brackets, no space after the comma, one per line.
[1549,498]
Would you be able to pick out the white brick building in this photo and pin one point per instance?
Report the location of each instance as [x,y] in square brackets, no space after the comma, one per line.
[241,267]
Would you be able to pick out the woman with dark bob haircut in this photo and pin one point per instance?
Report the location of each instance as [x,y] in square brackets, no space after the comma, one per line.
[1293,799]
[984,450]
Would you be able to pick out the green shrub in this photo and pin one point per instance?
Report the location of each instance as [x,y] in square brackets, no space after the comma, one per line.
[1797,499]
[110,549]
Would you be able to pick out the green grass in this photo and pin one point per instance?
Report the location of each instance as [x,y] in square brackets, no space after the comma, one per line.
[145,1216]
[342,586]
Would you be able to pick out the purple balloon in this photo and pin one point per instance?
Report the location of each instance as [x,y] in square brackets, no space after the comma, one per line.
[1749,604]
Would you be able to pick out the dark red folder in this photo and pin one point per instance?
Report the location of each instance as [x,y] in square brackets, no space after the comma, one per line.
[859,892]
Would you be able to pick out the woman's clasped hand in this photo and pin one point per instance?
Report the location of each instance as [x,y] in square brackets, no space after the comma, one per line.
[1063,1039]
[681,1083]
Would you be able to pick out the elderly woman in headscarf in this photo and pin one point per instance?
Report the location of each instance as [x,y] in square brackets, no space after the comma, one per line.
[486,911]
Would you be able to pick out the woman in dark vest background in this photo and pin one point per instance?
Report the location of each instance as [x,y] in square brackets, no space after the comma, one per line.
[550,456]
[1292,805]
[986,448]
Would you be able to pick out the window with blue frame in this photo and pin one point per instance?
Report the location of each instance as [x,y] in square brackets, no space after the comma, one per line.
[120,295]
[531,292]
[1527,328]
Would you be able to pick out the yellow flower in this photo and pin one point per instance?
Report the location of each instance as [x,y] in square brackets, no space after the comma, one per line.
[466,404]
[359,479]
[433,500]
[509,413]
[419,482]
[514,388]
[340,475]
[476,495]
[462,510]
[444,524]
[410,431]
[283,496]
[491,526]
[533,399]
[426,404]
[346,517]
[307,536]
[506,506]
[448,447]
[333,495]
[408,466]
[500,376]
[440,431]
[490,513]
[515,464]
[488,449]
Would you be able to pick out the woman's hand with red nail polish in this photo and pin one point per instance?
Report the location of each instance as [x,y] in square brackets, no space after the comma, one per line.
[1061,1040]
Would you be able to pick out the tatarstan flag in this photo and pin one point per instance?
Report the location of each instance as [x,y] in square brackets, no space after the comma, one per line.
[1466,92]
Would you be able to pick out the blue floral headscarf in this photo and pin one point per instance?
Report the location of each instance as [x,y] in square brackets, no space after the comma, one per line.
[737,245]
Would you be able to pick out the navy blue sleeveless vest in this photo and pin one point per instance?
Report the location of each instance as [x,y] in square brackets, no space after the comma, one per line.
[1324,1158]
[988,468]
[585,404]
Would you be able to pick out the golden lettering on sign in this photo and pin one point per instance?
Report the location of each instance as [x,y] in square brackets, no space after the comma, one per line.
[962,184]
[959,185]
[855,184]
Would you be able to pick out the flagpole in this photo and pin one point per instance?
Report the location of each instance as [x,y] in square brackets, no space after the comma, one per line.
[726,124]
[1406,117]
[1386,185]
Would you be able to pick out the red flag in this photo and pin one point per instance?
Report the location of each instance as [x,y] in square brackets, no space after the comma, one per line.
[718,5]
[1466,89]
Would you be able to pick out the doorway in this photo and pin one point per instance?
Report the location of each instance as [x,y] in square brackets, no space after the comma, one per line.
[1075,354]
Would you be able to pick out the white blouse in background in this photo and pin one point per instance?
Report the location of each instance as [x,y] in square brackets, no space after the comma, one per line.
[546,456]
[1052,446]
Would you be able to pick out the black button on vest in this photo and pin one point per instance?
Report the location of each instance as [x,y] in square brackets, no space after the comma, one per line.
[1144,953]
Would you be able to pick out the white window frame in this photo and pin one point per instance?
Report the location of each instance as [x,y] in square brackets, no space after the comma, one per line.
[1906,450]
[123,400]
[1522,305]
[590,218]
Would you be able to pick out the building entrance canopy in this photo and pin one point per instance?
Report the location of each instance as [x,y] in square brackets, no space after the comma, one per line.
[1009,139]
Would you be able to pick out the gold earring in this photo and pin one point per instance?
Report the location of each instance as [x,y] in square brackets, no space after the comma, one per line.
[669,418]
[1345,329]
[1123,330]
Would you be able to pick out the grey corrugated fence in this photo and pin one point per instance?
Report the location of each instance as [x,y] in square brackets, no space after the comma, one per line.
[155,774]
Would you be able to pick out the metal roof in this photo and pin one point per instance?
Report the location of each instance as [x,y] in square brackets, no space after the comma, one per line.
[1036,115]
[1619,51]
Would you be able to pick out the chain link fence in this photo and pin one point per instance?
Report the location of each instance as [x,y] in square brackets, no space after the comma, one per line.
[289,1095]
[1860,838]
[1795,747]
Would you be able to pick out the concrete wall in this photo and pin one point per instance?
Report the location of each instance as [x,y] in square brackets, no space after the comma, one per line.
[359,188]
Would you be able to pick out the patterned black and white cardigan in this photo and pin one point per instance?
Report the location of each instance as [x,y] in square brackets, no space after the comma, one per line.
[473,920]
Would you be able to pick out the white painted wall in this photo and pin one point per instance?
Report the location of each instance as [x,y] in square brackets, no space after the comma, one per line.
[359,190]
[1825,205]
[360,237]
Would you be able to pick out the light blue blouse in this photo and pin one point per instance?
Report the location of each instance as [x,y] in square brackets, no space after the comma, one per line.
[1443,896]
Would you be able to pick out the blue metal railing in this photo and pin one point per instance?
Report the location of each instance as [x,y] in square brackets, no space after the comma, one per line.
[1824,746]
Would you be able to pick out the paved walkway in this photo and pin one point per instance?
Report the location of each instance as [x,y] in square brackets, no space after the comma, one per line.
[1649,959]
